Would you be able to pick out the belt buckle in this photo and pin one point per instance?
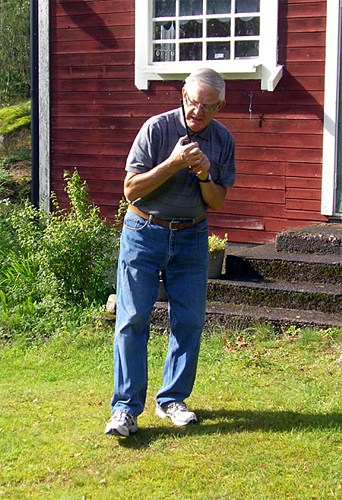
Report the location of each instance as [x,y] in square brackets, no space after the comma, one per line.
[174,225]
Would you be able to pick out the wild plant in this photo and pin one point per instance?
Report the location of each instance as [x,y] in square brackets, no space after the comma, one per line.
[78,246]
[65,258]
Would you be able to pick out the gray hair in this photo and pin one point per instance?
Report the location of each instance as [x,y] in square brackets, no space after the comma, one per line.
[208,78]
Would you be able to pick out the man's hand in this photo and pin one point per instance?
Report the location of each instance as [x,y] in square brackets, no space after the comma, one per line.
[182,156]
[199,164]
[201,168]
[186,154]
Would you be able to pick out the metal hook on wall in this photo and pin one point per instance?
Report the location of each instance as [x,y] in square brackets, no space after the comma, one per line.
[250,109]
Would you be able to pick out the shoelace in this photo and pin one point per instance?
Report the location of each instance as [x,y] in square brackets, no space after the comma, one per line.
[178,407]
[122,417]
[130,419]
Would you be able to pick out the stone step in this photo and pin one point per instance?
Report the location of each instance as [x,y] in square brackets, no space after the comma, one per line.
[322,239]
[242,316]
[264,262]
[322,297]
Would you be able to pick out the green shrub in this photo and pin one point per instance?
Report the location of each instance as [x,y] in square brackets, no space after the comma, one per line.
[5,178]
[78,247]
[63,259]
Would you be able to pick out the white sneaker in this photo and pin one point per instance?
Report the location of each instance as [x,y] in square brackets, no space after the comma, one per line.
[178,413]
[122,424]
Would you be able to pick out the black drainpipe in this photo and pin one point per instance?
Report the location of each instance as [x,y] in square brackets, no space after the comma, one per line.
[34,104]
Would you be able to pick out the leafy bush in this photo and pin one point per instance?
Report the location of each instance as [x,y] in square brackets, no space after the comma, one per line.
[61,259]
[78,246]
[4,177]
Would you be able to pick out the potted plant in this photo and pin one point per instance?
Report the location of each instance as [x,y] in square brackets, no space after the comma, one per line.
[217,247]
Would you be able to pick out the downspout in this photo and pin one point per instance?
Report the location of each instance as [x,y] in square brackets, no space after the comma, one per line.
[34,104]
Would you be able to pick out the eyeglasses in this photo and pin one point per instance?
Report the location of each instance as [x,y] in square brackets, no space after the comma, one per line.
[198,105]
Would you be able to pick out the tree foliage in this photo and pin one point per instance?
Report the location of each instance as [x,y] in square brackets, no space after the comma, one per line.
[14,50]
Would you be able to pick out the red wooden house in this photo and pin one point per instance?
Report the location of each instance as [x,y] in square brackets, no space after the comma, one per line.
[105,66]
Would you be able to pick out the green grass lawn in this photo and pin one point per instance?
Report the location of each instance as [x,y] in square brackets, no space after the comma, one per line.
[270,421]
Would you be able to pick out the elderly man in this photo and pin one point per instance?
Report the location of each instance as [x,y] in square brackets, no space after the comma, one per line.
[176,171]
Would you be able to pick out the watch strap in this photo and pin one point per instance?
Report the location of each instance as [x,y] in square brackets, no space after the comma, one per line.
[208,179]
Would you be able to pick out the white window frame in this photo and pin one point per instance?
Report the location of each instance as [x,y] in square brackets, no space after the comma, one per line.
[264,67]
[331,106]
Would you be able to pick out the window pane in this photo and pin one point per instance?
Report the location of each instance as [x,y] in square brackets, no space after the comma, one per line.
[218,27]
[218,6]
[164,30]
[164,8]
[190,7]
[164,52]
[190,51]
[246,49]
[218,50]
[247,26]
[247,6]
[190,29]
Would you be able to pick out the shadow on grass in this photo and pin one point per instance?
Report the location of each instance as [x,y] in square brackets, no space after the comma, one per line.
[231,422]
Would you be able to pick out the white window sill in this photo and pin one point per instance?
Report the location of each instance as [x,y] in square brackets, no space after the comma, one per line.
[236,70]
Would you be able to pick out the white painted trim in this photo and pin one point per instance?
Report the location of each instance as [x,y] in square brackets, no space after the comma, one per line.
[44,103]
[331,100]
[264,68]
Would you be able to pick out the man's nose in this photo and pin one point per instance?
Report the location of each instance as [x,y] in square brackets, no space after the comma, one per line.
[198,109]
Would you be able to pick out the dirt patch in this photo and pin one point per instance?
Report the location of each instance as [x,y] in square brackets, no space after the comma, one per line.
[16,184]
[15,165]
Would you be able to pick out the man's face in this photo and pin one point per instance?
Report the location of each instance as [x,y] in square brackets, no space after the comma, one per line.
[200,105]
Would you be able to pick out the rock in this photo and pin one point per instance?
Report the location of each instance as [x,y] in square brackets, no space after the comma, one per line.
[111,304]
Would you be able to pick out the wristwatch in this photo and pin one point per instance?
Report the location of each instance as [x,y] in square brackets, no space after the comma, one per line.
[208,179]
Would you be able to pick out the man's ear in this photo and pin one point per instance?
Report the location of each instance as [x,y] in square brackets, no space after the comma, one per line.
[221,105]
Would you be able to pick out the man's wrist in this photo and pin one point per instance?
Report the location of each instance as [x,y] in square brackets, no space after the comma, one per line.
[207,179]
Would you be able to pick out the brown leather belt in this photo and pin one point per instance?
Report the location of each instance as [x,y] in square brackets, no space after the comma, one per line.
[174,225]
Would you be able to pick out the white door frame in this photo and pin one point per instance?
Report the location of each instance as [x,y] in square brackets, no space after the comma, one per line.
[331,107]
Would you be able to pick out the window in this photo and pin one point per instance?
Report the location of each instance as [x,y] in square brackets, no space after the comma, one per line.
[237,38]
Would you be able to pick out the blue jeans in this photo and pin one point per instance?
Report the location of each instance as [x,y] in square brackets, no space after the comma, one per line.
[182,256]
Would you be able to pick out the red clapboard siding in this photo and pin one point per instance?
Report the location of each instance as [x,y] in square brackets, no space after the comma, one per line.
[78,7]
[306,170]
[260,181]
[303,194]
[299,182]
[96,112]
[76,161]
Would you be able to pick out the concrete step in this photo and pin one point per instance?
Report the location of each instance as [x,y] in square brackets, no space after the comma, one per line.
[242,316]
[296,282]
[264,262]
[274,293]
[321,239]
[261,284]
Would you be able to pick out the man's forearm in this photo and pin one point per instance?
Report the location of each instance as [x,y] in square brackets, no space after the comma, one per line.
[139,185]
[213,194]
